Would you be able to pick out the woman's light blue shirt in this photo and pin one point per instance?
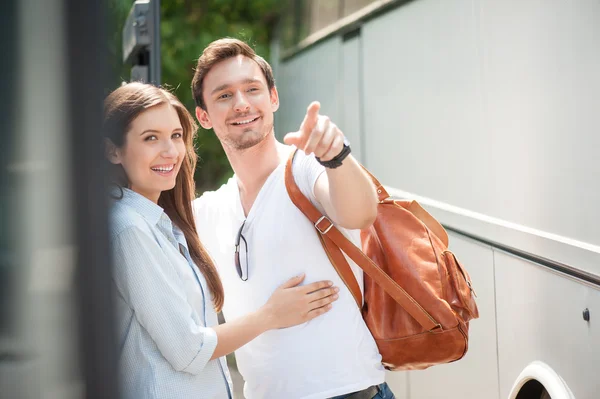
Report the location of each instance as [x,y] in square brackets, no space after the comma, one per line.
[164,308]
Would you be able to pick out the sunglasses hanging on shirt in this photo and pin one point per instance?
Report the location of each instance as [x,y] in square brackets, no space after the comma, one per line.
[241,270]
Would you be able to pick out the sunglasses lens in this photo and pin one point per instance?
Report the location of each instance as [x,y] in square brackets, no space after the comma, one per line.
[238,266]
[238,263]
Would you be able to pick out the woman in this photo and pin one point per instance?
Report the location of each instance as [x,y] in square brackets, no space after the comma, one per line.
[168,290]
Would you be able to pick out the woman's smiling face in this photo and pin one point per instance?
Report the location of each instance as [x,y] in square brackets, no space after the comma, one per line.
[153,151]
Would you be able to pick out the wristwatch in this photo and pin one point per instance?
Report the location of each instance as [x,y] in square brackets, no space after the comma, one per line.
[336,161]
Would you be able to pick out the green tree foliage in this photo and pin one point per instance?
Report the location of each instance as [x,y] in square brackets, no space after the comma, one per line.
[187,27]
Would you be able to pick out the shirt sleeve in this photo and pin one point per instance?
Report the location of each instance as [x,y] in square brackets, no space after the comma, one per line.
[306,171]
[148,282]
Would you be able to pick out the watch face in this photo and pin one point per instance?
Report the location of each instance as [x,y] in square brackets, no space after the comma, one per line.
[346,142]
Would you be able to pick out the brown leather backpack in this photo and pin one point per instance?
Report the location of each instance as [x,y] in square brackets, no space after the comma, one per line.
[418,298]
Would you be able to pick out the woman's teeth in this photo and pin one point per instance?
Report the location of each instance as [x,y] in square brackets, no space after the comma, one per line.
[163,169]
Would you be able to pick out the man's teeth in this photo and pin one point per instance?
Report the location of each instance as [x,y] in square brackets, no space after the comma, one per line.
[244,122]
[161,169]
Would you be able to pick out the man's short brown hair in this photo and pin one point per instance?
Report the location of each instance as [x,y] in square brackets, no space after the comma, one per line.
[218,51]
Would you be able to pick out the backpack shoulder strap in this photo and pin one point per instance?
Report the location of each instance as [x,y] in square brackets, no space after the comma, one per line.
[331,237]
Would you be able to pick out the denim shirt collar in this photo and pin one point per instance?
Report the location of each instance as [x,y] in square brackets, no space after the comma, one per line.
[148,209]
[152,212]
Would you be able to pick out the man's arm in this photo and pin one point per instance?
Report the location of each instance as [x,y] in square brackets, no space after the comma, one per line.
[346,192]
[347,195]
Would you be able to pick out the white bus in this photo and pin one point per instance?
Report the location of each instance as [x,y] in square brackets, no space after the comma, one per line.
[488,113]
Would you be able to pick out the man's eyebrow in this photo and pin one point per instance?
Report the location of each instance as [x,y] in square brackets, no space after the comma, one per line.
[227,85]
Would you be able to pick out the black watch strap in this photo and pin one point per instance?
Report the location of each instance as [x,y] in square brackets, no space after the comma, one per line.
[336,161]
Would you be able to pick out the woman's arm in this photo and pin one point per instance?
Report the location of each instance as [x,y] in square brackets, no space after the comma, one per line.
[149,284]
[288,306]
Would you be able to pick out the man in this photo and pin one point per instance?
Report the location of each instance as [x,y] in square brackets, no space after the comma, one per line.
[258,238]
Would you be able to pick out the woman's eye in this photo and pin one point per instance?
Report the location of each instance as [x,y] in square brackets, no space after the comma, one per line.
[177,135]
[150,138]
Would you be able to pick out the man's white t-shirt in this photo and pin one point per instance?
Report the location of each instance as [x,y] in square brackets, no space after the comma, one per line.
[331,355]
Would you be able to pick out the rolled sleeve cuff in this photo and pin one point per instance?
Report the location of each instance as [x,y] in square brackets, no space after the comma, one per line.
[204,354]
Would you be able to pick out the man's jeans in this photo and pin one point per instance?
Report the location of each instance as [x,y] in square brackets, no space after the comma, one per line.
[384,393]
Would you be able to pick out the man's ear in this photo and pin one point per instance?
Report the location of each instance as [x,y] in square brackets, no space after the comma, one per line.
[112,152]
[274,99]
[203,118]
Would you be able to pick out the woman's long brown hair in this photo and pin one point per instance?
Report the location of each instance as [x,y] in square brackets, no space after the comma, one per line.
[121,107]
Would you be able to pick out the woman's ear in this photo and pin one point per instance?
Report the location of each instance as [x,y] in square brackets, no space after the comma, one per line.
[112,152]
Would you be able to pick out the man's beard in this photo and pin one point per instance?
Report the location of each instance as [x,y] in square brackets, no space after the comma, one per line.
[249,140]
